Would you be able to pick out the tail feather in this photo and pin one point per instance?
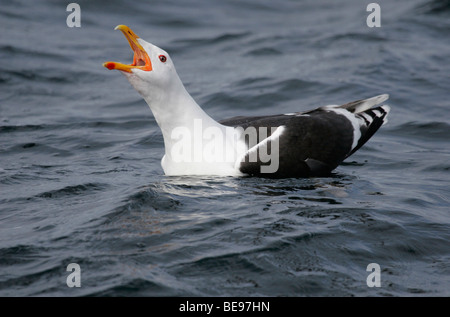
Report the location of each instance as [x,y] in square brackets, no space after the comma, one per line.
[371,121]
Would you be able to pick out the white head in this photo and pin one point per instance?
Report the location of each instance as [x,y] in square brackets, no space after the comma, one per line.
[153,75]
[152,72]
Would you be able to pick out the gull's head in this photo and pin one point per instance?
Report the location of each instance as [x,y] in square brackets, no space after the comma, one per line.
[151,71]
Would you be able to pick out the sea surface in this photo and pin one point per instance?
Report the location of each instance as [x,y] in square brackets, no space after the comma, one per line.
[80,174]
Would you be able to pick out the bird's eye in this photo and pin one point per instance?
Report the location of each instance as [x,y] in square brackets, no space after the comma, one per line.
[162,58]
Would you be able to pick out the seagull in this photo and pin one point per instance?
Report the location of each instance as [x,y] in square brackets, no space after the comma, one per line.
[301,144]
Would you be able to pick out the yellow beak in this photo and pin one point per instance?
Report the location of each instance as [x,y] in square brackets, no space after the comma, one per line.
[141,60]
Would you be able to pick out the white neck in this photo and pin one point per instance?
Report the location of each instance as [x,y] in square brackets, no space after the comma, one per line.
[176,108]
[186,129]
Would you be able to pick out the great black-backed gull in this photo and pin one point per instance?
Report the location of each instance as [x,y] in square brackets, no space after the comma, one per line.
[301,144]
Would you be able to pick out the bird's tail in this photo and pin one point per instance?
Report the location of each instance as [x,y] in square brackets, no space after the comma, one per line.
[371,120]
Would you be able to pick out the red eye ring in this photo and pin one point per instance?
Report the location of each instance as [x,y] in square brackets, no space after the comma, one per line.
[162,58]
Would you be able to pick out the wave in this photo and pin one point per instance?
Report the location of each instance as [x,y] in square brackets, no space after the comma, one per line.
[434,7]
[73,190]
[19,254]
[73,125]
[215,42]
[438,131]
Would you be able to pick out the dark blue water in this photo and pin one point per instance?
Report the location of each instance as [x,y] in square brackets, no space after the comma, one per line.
[80,174]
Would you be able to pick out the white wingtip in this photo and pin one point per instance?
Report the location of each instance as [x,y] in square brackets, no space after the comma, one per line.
[370,102]
[379,99]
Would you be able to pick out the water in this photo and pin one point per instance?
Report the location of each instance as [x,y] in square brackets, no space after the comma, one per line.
[80,173]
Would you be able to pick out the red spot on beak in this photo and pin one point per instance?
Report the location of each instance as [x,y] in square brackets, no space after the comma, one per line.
[110,65]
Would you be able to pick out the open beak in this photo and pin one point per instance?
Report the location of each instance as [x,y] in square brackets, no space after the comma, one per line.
[141,60]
